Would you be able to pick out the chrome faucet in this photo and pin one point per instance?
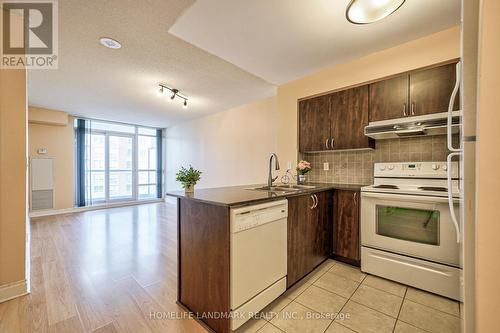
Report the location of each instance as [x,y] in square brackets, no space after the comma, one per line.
[270,180]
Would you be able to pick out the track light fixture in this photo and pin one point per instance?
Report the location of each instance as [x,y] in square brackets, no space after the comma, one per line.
[175,93]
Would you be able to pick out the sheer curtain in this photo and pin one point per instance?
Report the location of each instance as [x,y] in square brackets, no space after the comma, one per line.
[82,151]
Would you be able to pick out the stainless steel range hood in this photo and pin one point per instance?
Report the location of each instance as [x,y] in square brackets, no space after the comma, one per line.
[431,124]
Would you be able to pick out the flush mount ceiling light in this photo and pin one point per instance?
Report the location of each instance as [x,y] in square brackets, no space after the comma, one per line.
[110,43]
[162,89]
[369,11]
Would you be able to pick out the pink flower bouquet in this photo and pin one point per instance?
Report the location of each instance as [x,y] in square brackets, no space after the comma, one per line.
[303,167]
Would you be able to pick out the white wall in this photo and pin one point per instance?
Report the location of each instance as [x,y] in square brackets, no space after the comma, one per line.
[230,148]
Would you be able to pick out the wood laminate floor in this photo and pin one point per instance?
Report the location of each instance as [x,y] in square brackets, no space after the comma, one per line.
[114,270]
[110,270]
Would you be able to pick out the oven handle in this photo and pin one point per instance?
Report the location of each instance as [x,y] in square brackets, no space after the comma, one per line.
[404,197]
[450,198]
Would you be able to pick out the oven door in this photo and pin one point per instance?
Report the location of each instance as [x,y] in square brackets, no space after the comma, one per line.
[418,226]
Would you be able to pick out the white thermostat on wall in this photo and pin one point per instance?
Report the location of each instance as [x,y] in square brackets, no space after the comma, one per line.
[41,151]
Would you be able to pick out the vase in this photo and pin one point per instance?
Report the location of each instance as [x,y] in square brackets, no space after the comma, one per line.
[189,189]
[301,179]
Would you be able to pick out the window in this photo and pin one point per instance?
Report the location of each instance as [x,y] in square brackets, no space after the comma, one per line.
[147,166]
[409,224]
[97,166]
[120,162]
[120,167]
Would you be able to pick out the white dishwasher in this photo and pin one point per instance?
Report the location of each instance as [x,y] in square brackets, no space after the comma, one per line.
[258,258]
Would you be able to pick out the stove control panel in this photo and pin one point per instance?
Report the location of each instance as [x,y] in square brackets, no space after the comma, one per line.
[415,170]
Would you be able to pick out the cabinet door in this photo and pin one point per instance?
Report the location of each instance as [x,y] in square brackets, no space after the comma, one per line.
[314,123]
[430,90]
[319,231]
[389,98]
[308,234]
[298,217]
[349,116]
[346,225]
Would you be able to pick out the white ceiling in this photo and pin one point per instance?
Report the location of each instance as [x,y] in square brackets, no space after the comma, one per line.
[121,85]
[220,53]
[281,40]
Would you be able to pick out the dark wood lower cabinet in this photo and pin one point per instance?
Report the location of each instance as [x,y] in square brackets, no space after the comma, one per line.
[308,233]
[345,240]
[203,272]
[204,248]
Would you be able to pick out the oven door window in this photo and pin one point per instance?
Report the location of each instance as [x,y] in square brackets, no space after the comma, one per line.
[409,224]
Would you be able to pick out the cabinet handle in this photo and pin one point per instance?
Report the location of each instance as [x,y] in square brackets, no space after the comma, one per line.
[316,199]
[313,202]
[404,110]
[356,197]
[412,108]
[332,144]
[326,144]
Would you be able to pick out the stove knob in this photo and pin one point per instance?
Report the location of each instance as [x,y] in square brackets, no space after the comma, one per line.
[444,167]
[390,167]
[435,167]
[382,167]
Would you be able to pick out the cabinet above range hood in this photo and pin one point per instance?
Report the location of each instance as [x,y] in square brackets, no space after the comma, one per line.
[430,124]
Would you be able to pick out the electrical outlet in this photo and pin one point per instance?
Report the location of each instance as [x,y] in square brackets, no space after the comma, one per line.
[326,166]
[289,165]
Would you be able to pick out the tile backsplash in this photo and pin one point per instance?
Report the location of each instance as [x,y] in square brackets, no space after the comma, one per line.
[356,167]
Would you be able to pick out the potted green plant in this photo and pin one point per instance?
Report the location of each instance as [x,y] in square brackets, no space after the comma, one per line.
[302,168]
[188,177]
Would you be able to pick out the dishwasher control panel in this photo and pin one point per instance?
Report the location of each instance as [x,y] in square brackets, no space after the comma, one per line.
[248,217]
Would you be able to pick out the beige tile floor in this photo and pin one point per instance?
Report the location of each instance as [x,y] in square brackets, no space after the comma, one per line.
[338,298]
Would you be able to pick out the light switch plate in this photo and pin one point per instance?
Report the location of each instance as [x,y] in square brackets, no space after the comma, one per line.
[326,166]
[289,165]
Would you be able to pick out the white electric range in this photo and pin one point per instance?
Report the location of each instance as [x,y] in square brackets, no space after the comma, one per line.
[408,232]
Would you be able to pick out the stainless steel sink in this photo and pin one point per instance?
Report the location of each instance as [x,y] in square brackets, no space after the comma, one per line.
[282,188]
[273,189]
[299,187]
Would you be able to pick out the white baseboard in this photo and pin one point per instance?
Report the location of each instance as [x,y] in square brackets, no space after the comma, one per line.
[13,290]
[51,212]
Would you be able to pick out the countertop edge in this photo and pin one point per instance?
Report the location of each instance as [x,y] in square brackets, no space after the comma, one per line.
[321,187]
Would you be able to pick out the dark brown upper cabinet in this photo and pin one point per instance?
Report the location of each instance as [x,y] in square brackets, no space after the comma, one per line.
[334,121]
[413,94]
[430,90]
[314,123]
[389,98]
[349,116]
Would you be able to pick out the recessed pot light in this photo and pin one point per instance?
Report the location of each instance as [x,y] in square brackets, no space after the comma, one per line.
[369,11]
[110,43]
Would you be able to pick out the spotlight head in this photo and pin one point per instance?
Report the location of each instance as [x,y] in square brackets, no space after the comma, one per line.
[174,93]
[185,105]
[160,92]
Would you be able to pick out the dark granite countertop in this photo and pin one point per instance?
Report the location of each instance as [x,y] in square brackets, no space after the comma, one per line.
[241,195]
